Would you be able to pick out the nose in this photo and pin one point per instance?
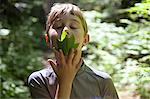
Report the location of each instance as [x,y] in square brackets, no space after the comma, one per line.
[66,29]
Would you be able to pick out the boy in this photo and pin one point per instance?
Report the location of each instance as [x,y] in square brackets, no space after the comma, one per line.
[69,77]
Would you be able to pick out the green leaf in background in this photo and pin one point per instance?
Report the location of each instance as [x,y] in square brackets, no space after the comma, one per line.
[66,43]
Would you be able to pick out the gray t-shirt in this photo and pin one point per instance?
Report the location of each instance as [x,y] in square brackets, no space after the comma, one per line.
[88,84]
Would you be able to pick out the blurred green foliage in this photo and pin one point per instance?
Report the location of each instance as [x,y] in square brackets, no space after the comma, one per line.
[123,52]
[119,45]
[141,10]
[20,47]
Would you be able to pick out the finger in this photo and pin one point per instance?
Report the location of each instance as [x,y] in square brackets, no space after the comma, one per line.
[57,56]
[62,57]
[71,55]
[56,52]
[77,57]
[79,64]
[53,65]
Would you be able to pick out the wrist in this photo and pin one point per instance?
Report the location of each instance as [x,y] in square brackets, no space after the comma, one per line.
[64,90]
[66,83]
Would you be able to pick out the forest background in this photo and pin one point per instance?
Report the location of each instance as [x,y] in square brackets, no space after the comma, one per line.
[120,43]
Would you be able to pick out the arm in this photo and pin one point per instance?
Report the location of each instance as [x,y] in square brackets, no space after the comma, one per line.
[64,91]
[109,89]
[66,69]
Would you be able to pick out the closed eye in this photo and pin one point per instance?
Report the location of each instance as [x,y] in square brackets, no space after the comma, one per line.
[74,26]
[59,27]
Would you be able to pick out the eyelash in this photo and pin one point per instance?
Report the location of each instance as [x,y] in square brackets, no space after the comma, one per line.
[59,27]
[73,27]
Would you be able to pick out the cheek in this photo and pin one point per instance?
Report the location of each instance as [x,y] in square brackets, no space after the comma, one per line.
[79,39]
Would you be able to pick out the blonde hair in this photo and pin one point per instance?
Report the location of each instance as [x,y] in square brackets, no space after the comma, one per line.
[61,9]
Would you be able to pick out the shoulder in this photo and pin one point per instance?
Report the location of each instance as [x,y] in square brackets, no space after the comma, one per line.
[97,73]
[42,84]
[105,82]
[41,76]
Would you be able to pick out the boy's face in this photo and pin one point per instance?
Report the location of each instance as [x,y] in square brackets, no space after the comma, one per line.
[72,25]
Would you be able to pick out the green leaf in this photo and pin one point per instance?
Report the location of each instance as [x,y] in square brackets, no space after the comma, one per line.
[66,43]
[63,35]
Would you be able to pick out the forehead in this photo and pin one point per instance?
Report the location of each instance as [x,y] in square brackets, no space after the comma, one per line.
[61,11]
[68,17]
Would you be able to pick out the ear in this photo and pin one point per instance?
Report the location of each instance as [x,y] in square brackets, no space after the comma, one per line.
[86,39]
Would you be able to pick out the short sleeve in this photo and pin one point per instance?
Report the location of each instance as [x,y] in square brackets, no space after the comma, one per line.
[37,87]
[109,89]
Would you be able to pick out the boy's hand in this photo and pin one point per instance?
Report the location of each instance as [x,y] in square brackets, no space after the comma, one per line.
[66,67]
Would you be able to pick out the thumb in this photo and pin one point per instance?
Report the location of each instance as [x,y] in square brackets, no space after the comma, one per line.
[53,64]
